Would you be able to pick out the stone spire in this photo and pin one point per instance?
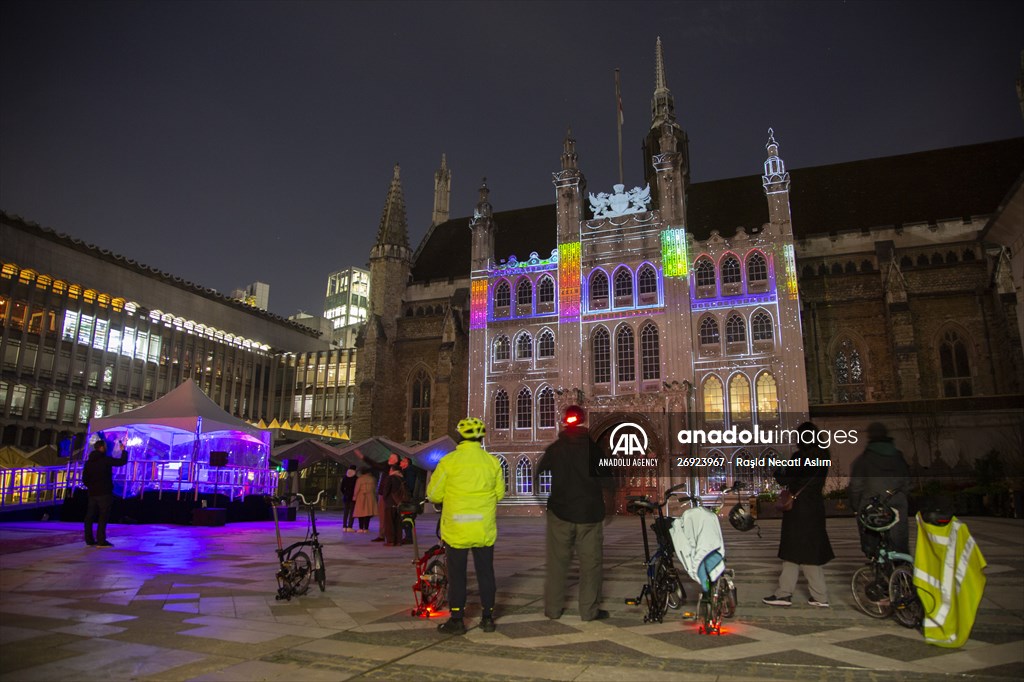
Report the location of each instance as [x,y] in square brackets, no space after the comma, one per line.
[394,227]
[442,192]
[663,108]
[569,157]
[482,226]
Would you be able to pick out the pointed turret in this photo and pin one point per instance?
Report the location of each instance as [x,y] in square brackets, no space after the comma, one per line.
[482,226]
[776,187]
[442,192]
[569,157]
[394,228]
[666,142]
[570,186]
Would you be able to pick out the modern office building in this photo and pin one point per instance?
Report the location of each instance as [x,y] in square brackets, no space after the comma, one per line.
[88,333]
[348,297]
[256,294]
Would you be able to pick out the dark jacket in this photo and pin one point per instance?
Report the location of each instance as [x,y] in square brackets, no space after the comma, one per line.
[804,537]
[879,469]
[392,490]
[347,487]
[576,495]
[98,472]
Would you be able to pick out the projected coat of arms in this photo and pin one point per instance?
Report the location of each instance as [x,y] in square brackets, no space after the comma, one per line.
[620,202]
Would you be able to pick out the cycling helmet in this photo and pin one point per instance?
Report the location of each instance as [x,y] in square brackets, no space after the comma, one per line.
[574,416]
[878,517]
[472,428]
[741,518]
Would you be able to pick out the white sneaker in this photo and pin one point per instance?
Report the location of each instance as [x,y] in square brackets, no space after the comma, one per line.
[820,604]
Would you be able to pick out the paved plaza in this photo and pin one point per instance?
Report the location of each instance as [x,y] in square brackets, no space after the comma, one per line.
[197,603]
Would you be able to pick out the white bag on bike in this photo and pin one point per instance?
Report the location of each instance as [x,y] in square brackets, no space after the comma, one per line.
[696,534]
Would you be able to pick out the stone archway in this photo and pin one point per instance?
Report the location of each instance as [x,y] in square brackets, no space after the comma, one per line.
[632,480]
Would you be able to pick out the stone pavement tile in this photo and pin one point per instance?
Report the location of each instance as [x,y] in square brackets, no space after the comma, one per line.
[183,607]
[689,638]
[90,630]
[990,636]
[401,638]
[189,671]
[354,650]
[455,661]
[230,634]
[35,651]
[795,657]
[270,672]
[897,648]
[1009,670]
[110,661]
[10,634]
[544,628]
[607,673]
[209,645]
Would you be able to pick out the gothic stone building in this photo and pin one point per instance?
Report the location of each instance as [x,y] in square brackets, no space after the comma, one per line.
[850,292]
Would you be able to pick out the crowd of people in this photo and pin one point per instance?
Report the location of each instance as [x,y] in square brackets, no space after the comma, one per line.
[468,483]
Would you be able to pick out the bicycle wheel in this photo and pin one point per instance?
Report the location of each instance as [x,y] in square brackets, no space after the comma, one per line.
[729,607]
[434,585]
[866,588]
[301,572]
[657,600]
[319,570]
[668,578]
[906,607]
[704,612]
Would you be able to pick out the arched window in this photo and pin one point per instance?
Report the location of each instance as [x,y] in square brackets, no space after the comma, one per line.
[848,372]
[599,290]
[546,344]
[502,295]
[524,347]
[731,270]
[767,397]
[650,354]
[625,354]
[709,332]
[501,420]
[524,477]
[704,272]
[544,482]
[713,399]
[647,281]
[419,407]
[524,409]
[735,329]
[600,357]
[739,397]
[524,292]
[502,349]
[546,290]
[761,328]
[546,408]
[505,472]
[623,283]
[955,365]
[757,268]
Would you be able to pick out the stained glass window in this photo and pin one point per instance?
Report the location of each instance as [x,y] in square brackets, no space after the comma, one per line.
[955,366]
[848,373]
[601,356]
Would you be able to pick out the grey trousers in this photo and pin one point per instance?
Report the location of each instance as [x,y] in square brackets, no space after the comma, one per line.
[815,581]
[588,541]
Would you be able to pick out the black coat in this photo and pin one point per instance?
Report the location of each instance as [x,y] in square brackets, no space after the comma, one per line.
[577,496]
[98,472]
[804,537]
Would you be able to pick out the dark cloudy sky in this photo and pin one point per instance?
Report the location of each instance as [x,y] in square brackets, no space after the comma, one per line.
[229,142]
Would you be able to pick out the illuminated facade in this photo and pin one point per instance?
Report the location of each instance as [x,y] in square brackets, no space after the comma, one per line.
[837,296]
[348,297]
[87,333]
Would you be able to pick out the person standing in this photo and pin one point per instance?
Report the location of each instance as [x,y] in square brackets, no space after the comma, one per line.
[365,498]
[393,494]
[468,483]
[383,471]
[804,546]
[347,493]
[575,516]
[879,471]
[98,478]
[411,476]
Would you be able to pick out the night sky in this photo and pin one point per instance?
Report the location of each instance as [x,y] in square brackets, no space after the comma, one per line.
[229,142]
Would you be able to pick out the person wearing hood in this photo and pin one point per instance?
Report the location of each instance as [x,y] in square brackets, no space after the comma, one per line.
[575,516]
[881,470]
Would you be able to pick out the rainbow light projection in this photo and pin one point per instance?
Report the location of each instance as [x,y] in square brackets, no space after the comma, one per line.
[569,282]
[673,252]
[478,304]
[789,253]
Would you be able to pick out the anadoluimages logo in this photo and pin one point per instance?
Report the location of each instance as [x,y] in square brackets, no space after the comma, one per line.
[628,440]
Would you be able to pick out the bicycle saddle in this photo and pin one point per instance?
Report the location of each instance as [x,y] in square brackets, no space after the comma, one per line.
[633,506]
[409,508]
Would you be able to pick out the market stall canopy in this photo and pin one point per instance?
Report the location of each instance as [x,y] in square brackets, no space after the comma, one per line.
[186,408]
[309,451]
[378,449]
[13,458]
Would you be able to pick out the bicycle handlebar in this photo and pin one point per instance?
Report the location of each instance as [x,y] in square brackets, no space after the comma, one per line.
[301,497]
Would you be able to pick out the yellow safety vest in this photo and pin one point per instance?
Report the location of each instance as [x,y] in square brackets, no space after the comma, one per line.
[469,482]
[948,574]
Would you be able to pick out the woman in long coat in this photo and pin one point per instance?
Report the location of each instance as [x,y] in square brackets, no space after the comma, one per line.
[804,546]
[365,499]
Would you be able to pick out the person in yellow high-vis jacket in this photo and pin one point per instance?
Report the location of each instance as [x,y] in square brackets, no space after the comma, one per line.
[948,574]
[468,481]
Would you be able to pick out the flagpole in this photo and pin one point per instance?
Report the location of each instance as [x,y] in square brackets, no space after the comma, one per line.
[618,120]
